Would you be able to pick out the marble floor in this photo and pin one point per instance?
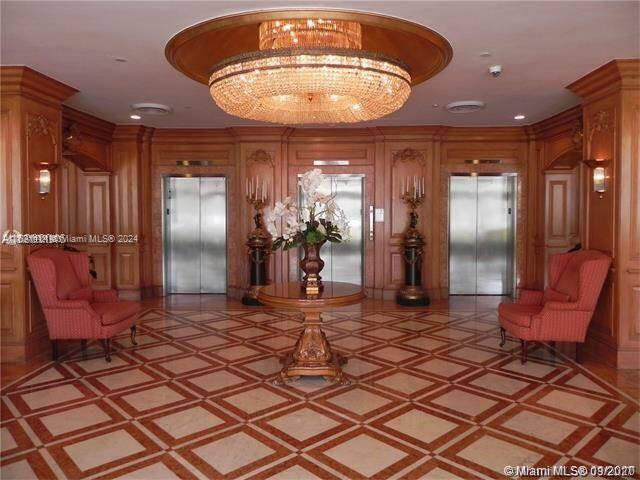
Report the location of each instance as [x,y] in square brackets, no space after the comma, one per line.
[432,396]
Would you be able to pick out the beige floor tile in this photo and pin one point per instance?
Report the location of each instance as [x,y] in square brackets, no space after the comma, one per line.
[49,375]
[152,398]
[633,422]
[303,424]
[74,419]
[7,442]
[500,383]
[421,425]
[184,365]
[464,402]
[103,449]
[235,451]
[540,426]
[617,451]
[51,396]
[425,343]
[572,403]
[404,382]
[483,452]
[159,351]
[265,366]
[580,381]
[206,342]
[472,354]
[392,354]
[531,368]
[359,401]
[128,378]
[188,421]
[182,332]
[254,400]
[441,367]
[351,343]
[155,471]
[161,323]
[294,473]
[225,324]
[359,367]
[378,454]
[20,470]
[98,364]
[234,353]
[211,382]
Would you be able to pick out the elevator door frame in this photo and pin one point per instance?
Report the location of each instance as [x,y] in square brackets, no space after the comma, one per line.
[165,179]
[513,204]
[291,264]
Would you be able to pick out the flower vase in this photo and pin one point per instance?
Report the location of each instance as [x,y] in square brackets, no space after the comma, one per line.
[312,264]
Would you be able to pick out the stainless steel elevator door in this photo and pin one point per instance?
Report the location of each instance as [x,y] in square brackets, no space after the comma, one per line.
[343,262]
[481,235]
[195,235]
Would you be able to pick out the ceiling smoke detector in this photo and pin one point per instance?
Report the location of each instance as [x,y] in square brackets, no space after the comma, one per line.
[465,106]
[151,109]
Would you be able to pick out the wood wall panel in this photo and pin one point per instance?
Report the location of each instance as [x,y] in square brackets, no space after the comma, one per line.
[611,105]
[30,132]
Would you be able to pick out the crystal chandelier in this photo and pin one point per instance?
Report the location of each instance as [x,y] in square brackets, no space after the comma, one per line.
[310,71]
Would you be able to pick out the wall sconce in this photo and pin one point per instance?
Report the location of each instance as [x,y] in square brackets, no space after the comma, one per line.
[44,177]
[44,182]
[599,176]
[598,180]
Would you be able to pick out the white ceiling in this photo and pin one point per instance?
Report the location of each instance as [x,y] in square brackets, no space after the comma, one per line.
[542,46]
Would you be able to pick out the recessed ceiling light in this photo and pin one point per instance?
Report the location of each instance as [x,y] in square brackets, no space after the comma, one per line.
[465,106]
[135,117]
[151,108]
[519,117]
[120,59]
[435,105]
[485,54]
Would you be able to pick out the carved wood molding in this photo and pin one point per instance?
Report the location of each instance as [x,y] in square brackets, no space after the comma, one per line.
[408,155]
[261,156]
[40,125]
[600,122]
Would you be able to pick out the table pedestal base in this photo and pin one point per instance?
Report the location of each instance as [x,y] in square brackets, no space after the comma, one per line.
[312,355]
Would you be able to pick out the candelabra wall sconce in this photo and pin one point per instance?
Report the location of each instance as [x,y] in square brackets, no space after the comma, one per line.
[412,294]
[259,242]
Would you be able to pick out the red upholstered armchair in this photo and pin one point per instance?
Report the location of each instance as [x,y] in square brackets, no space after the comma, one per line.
[72,309]
[562,312]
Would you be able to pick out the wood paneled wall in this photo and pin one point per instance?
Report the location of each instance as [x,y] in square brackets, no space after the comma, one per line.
[30,132]
[611,115]
[112,183]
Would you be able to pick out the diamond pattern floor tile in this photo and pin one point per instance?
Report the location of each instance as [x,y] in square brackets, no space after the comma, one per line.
[432,395]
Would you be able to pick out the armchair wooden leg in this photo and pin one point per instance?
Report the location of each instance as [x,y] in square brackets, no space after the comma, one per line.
[133,335]
[525,347]
[54,350]
[83,347]
[503,337]
[106,344]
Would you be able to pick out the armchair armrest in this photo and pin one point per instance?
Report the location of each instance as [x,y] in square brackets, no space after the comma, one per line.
[105,296]
[562,306]
[71,304]
[530,297]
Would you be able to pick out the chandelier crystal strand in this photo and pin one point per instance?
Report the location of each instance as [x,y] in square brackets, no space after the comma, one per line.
[310,33]
[324,78]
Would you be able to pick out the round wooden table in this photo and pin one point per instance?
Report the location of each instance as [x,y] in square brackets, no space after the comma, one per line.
[312,355]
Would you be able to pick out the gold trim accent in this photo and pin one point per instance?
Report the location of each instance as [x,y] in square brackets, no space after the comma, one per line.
[193,50]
